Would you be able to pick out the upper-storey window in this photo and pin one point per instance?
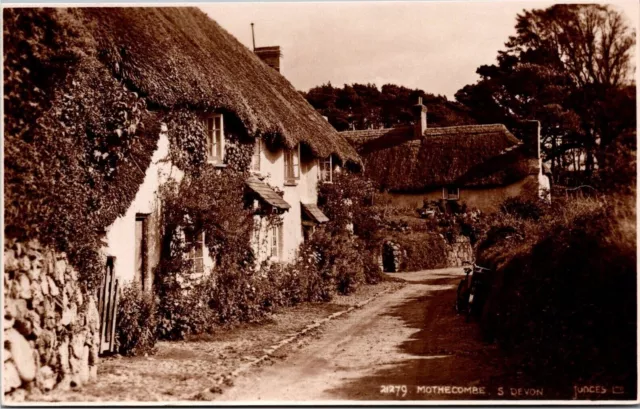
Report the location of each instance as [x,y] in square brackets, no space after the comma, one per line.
[255,159]
[325,170]
[214,128]
[292,165]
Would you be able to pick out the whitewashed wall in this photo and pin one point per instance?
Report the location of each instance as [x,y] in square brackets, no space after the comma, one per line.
[305,191]
[121,234]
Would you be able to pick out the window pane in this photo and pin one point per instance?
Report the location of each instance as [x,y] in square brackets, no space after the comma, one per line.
[287,164]
[209,124]
[198,265]
[217,122]
[218,143]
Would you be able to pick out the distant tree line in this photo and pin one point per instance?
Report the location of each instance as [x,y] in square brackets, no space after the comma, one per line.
[568,66]
[360,106]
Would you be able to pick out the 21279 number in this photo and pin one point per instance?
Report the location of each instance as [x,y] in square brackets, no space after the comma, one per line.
[397,390]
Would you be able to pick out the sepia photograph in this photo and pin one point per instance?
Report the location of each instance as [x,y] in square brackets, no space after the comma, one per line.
[330,202]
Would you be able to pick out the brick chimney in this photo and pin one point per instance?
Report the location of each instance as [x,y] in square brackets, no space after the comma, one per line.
[420,116]
[270,55]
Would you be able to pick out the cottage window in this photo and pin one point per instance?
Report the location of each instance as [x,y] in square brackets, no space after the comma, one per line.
[292,165]
[275,241]
[255,159]
[451,193]
[195,243]
[325,170]
[214,128]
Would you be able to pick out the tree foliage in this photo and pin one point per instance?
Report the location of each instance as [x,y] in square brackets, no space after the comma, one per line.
[360,106]
[570,67]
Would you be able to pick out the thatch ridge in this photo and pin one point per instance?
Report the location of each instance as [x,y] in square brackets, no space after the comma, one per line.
[179,57]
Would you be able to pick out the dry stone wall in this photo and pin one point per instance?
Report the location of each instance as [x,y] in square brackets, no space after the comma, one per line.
[459,251]
[51,327]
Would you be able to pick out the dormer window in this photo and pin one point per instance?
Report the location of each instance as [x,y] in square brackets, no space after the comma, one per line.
[214,129]
[325,170]
[451,193]
[292,165]
[255,159]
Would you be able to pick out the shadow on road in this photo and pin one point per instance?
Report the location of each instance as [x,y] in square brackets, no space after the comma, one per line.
[447,351]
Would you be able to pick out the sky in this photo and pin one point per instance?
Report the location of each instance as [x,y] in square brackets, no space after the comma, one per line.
[434,46]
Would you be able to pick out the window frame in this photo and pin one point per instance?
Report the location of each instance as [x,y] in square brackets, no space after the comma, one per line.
[321,171]
[192,254]
[292,165]
[275,241]
[255,158]
[214,157]
[447,195]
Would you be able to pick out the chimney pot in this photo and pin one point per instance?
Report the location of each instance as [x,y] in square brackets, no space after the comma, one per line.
[420,116]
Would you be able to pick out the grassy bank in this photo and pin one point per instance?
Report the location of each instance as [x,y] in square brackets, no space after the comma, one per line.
[563,297]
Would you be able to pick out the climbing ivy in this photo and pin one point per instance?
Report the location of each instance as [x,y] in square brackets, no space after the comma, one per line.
[76,140]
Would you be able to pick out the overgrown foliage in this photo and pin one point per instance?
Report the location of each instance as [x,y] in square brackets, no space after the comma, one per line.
[76,140]
[135,322]
[207,201]
[563,298]
[348,202]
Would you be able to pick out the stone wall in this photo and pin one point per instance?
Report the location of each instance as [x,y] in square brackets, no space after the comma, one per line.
[459,251]
[51,327]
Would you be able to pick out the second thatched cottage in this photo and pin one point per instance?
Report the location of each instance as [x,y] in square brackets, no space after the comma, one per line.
[481,165]
[182,60]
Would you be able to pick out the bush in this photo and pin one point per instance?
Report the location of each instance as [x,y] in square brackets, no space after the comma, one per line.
[135,322]
[522,208]
[563,290]
[424,250]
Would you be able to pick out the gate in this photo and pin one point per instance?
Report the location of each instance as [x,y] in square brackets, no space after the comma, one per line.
[107,307]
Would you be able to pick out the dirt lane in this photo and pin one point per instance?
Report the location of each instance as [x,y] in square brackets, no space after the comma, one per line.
[407,339]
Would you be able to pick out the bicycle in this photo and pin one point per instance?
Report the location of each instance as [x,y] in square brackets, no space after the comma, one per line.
[470,294]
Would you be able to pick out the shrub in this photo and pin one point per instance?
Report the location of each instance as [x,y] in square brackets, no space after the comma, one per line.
[522,208]
[563,290]
[135,322]
[424,250]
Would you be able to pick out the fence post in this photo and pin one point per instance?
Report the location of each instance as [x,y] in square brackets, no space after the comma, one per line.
[107,305]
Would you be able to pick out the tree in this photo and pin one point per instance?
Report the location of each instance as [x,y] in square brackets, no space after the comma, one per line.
[364,106]
[568,66]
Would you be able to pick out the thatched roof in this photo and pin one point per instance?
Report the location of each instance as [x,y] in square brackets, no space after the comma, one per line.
[465,156]
[179,57]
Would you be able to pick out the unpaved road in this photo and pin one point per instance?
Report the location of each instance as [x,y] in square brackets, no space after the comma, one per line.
[407,345]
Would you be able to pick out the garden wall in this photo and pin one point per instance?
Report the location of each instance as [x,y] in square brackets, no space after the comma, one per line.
[51,326]
[422,251]
[459,251]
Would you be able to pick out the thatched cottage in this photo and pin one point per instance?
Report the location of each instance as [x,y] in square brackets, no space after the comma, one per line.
[102,107]
[479,164]
[180,57]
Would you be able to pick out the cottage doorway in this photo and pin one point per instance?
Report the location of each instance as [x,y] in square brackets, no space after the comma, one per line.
[388,258]
[141,248]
